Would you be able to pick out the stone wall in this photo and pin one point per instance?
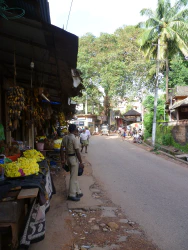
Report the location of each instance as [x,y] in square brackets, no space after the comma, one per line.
[180,134]
[179,131]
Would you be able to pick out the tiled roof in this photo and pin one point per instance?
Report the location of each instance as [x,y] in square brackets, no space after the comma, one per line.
[181,91]
[180,103]
[132,112]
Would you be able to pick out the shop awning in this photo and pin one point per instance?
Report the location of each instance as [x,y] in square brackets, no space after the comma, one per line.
[53,51]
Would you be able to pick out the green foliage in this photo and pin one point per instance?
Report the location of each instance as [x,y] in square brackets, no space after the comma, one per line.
[148,116]
[147,134]
[112,66]
[178,74]
[183,148]
[128,107]
[164,135]
[148,119]
[168,27]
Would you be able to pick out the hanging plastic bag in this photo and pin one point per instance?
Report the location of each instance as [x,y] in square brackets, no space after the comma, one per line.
[2,134]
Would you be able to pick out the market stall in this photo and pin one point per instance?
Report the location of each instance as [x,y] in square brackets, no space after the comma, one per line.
[26,185]
[26,191]
[25,179]
[38,77]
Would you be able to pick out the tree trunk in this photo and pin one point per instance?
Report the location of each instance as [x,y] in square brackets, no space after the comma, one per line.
[156,95]
[167,77]
[86,105]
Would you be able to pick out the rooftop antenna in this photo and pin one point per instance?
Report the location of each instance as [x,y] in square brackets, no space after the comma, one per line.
[69,14]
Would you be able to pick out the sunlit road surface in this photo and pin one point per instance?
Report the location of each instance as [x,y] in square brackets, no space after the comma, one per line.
[151,191]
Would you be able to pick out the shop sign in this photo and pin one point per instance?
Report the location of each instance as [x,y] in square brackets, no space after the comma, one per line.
[81,123]
[81,118]
[89,119]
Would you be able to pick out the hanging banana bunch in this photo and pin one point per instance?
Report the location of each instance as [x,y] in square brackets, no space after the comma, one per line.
[61,118]
[16,103]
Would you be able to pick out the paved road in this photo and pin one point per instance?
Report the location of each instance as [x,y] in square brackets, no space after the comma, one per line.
[152,191]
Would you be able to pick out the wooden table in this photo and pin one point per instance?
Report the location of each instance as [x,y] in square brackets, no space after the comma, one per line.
[23,194]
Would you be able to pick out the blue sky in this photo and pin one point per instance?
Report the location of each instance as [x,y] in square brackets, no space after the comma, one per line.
[96,16]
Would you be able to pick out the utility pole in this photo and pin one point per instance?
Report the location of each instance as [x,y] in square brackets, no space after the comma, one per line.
[86,122]
[142,110]
[156,95]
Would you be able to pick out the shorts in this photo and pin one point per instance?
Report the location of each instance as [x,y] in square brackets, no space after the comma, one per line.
[85,143]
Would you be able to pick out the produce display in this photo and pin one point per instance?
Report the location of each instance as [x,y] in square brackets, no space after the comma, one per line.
[22,167]
[33,154]
[34,109]
[61,118]
[8,150]
[57,143]
[38,115]
[41,138]
[16,103]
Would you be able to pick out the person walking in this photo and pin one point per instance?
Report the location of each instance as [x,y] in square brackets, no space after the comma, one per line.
[84,140]
[88,134]
[70,154]
[123,133]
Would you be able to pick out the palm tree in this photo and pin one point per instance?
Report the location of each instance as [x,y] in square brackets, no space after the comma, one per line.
[166,34]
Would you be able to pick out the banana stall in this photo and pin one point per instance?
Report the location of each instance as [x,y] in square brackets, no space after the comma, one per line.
[38,78]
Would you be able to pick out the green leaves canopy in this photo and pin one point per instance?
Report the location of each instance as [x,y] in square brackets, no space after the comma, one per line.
[113,64]
[169,24]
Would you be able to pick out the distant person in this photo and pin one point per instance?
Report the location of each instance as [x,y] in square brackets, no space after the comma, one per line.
[70,154]
[88,134]
[84,140]
[123,133]
[97,130]
[134,131]
[119,130]
[128,130]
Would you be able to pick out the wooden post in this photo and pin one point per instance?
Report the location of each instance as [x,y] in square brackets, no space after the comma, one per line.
[178,115]
[33,135]
[30,137]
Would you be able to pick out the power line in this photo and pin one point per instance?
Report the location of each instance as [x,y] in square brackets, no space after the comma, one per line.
[69,13]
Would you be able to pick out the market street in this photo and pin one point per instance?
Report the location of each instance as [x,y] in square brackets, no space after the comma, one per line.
[151,190]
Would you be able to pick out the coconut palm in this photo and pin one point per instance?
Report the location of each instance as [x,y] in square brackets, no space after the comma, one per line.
[168,25]
[166,34]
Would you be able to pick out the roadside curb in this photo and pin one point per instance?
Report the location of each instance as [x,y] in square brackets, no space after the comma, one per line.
[161,151]
[167,154]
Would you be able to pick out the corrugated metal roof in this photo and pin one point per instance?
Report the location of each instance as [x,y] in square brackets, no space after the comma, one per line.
[181,91]
[35,9]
